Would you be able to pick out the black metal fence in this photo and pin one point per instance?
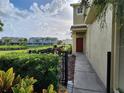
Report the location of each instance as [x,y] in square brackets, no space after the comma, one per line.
[64,69]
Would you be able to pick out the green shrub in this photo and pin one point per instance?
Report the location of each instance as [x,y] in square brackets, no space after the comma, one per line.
[41,49]
[43,67]
[68,48]
[9,83]
[6,80]
[50,89]
[12,47]
[24,86]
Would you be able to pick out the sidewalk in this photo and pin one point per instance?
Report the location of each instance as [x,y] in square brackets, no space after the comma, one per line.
[85,78]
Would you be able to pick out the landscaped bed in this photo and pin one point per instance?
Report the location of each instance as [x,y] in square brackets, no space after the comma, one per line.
[50,49]
[43,67]
[20,49]
[9,83]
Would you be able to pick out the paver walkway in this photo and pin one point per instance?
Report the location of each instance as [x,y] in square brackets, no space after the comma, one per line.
[85,78]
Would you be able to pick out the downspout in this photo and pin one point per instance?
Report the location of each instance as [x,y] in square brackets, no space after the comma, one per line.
[113,79]
[112,53]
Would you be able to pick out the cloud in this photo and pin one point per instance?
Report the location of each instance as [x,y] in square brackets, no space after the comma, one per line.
[7,9]
[53,19]
[55,7]
[35,9]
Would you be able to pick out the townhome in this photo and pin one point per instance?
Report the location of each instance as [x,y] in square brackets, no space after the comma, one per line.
[97,35]
[67,41]
[13,40]
[42,41]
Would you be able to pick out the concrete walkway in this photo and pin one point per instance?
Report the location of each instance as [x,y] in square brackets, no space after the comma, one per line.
[86,80]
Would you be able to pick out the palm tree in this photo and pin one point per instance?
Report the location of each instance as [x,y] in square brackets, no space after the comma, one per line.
[1,26]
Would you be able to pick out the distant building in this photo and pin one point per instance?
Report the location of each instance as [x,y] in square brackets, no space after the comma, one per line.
[30,41]
[13,40]
[42,41]
[0,41]
[67,41]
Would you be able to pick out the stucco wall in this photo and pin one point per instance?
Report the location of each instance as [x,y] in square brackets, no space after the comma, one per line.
[74,42]
[98,43]
[77,18]
[121,66]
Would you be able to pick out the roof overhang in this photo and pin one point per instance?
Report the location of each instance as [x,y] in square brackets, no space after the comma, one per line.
[82,27]
[75,4]
[91,15]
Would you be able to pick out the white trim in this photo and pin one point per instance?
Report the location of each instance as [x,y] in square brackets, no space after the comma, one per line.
[81,28]
[79,13]
[79,25]
[75,4]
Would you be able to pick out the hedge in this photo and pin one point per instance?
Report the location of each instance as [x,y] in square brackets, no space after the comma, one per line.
[43,67]
[66,48]
[12,47]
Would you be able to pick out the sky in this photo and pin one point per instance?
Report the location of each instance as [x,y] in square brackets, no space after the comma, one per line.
[36,18]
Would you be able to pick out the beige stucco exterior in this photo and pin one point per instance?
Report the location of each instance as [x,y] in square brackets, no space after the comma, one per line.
[121,57]
[118,59]
[77,18]
[98,43]
[97,40]
[115,55]
[117,71]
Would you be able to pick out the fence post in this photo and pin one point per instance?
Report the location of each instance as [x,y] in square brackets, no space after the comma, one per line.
[108,71]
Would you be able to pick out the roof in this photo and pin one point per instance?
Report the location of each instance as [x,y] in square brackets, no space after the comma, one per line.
[79,27]
[75,4]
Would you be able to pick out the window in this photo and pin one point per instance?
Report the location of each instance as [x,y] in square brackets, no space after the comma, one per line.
[79,10]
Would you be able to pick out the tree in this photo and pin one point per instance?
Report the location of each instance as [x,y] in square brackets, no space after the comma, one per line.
[7,41]
[1,26]
[22,41]
[59,42]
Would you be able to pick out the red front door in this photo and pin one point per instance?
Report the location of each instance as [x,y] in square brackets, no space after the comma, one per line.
[79,45]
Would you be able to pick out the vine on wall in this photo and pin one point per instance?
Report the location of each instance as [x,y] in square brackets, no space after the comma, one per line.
[120,13]
[101,7]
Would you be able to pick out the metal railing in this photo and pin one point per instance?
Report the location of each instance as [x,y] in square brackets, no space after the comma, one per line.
[64,69]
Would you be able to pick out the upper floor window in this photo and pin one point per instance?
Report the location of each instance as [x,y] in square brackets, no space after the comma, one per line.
[79,10]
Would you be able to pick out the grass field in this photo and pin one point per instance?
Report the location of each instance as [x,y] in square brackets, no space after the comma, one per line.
[23,50]
[19,51]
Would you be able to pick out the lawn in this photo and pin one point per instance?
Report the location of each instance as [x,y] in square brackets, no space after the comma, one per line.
[5,52]
[15,48]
